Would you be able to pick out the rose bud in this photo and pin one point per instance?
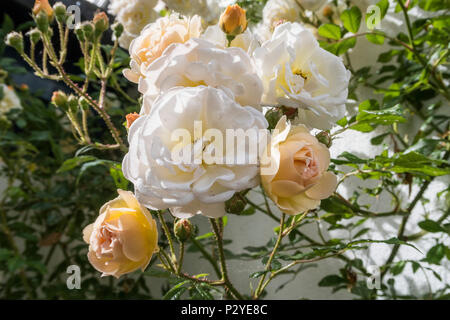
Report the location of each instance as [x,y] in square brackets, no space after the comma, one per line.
[60,11]
[117,28]
[59,99]
[101,22]
[73,103]
[236,204]
[324,137]
[35,35]
[327,11]
[294,169]
[42,22]
[123,238]
[233,20]
[84,104]
[43,6]
[131,117]
[15,40]
[182,229]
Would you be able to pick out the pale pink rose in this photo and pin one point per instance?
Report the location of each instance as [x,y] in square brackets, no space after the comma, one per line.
[299,178]
[123,238]
[156,37]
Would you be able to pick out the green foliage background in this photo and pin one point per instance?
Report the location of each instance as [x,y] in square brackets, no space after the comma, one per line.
[55,188]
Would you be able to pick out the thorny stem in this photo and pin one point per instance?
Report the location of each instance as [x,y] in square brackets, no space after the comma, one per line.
[272,255]
[223,264]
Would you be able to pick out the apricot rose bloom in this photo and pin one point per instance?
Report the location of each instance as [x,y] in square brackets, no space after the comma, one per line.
[299,179]
[123,238]
[156,37]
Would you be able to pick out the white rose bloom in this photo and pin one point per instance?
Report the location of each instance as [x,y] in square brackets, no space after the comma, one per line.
[311,5]
[156,37]
[247,41]
[9,101]
[297,73]
[200,62]
[276,10]
[209,10]
[134,15]
[187,188]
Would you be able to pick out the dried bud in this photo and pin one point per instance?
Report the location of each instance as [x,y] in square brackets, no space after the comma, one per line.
[324,137]
[60,11]
[43,6]
[131,117]
[236,204]
[233,20]
[101,22]
[42,21]
[59,99]
[183,229]
[327,12]
[35,35]
[15,40]
[117,29]
[73,104]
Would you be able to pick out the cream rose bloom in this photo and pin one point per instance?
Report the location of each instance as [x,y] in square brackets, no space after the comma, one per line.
[297,73]
[155,38]
[187,187]
[200,62]
[209,10]
[123,238]
[134,15]
[298,178]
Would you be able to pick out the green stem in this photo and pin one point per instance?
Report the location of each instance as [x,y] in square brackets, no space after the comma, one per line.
[259,289]
[223,264]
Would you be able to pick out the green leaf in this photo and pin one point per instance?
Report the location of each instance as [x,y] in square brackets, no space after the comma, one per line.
[398,268]
[74,162]
[351,19]
[330,31]
[435,254]
[431,226]
[433,5]
[375,38]
[331,281]
[378,139]
[176,291]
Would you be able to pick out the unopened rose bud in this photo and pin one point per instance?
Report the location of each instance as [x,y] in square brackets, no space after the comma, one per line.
[59,99]
[183,229]
[35,35]
[327,12]
[60,11]
[24,87]
[84,104]
[15,40]
[42,21]
[272,117]
[236,204]
[117,28]
[43,6]
[233,20]
[73,103]
[324,138]
[101,22]
[131,117]
[80,33]
[88,30]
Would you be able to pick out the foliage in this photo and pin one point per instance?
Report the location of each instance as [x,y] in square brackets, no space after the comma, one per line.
[54,189]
